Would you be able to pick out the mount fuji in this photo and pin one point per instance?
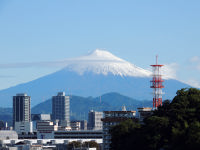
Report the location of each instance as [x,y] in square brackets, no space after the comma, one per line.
[94,74]
[101,62]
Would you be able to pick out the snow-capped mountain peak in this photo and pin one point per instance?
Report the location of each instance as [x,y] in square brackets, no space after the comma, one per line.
[102,54]
[104,62]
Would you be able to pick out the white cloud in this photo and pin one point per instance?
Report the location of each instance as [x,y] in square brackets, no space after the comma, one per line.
[193,83]
[195,59]
[34,64]
[195,63]
[170,70]
[62,63]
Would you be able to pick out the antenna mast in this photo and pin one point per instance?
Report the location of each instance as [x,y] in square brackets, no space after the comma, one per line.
[157,84]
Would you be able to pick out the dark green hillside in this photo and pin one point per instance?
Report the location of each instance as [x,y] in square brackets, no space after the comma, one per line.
[173,126]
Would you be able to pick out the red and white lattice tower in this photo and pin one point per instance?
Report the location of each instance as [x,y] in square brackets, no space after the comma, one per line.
[157,84]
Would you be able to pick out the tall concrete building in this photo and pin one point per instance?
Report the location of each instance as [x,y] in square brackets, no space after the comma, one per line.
[21,108]
[22,113]
[94,120]
[61,109]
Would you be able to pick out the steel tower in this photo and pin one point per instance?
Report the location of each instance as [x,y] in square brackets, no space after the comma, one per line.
[157,84]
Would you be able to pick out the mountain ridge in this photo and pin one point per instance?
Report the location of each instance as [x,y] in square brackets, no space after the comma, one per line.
[80,106]
[90,83]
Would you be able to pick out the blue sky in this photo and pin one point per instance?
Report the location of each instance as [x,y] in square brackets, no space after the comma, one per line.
[49,30]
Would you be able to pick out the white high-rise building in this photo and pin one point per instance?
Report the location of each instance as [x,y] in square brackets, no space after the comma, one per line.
[61,109]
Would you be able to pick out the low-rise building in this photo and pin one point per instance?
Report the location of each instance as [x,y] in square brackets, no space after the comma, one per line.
[112,118]
[45,129]
[44,144]
[8,135]
[81,134]
[23,127]
[144,112]
[31,135]
[75,125]
[39,117]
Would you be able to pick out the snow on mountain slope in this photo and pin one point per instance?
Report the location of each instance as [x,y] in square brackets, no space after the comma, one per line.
[103,62]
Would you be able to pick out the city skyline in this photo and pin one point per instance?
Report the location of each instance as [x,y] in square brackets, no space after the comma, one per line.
[48,31]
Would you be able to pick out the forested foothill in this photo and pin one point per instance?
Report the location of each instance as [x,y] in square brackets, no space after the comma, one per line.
[173,126]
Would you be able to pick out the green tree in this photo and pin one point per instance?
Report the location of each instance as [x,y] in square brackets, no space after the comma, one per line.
[121,134]
[173,126]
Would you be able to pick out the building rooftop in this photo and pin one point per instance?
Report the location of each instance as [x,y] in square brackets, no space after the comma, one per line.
[120,111]
[145,108]
[21,94]
[116,119]
[61,94]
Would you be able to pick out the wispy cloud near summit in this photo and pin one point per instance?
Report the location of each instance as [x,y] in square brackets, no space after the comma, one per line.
[33,64]
[195,62]
[170,70]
